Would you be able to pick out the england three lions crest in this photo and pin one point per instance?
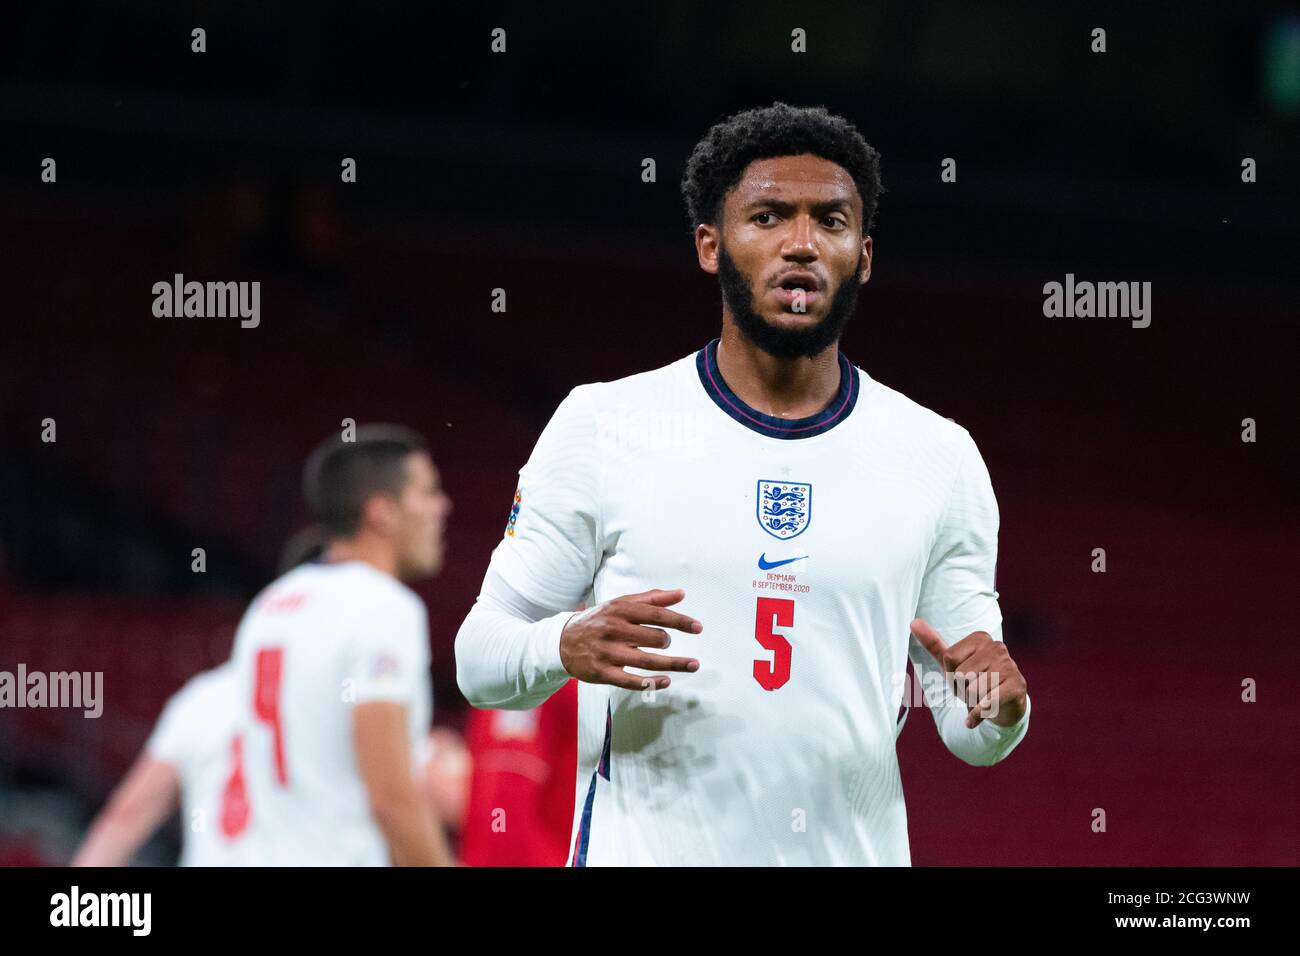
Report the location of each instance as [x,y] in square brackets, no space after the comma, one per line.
[784,508]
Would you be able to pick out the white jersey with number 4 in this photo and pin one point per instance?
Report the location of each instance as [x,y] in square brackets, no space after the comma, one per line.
[316,642]
[805,548]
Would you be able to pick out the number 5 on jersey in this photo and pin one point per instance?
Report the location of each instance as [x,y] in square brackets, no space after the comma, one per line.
[773,612]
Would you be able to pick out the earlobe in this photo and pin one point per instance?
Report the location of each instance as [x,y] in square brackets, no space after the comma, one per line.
[379,512]
[706,248]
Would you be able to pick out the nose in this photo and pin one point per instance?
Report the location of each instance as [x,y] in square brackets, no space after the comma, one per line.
[799,241]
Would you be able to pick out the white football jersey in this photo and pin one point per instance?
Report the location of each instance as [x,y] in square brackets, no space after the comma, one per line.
[317,641]
[196,734]
[805,548]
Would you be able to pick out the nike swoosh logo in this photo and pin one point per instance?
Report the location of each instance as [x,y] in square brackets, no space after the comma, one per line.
[765,565]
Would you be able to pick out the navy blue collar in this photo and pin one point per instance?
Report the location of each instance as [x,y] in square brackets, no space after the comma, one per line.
[846,396]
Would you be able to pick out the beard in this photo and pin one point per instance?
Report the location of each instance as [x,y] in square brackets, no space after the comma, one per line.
[737,294]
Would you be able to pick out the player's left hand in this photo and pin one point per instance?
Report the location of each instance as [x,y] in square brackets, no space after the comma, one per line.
[999,698]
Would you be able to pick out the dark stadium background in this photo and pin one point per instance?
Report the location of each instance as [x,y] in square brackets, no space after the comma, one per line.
[522,171]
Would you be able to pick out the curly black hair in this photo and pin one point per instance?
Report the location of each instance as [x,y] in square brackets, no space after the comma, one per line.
[719,159]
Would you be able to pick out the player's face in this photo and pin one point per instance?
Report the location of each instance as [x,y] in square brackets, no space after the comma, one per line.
[423,509]
[788,215]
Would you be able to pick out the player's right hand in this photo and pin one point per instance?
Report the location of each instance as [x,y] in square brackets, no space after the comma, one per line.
[599,642]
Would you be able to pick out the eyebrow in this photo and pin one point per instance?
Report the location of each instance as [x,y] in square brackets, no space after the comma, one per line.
[780,205]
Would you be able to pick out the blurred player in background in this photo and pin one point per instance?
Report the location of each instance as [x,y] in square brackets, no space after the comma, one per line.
[332,667]
[790,522]
[191,763]
[447,763]
[305,546]
[520,809]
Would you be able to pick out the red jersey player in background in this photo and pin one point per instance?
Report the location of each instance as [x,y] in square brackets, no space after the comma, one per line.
[522,785]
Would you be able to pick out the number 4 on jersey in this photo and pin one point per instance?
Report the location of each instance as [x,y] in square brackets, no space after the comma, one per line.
[773,612]
[266,703]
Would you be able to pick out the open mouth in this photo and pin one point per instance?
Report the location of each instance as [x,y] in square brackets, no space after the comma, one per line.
[795,292]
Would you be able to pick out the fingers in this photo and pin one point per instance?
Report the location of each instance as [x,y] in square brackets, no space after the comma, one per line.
[616,658]
[627,624]
[621,678]
[985,709]
[1006,693]
[976,663]
[640,636]
[970,685]
[950,656]
[929,638]
[650,607]
[614,673]
[653,662]
[972,665]
[648,614]
[661,597]
[965,650]
[969,679]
